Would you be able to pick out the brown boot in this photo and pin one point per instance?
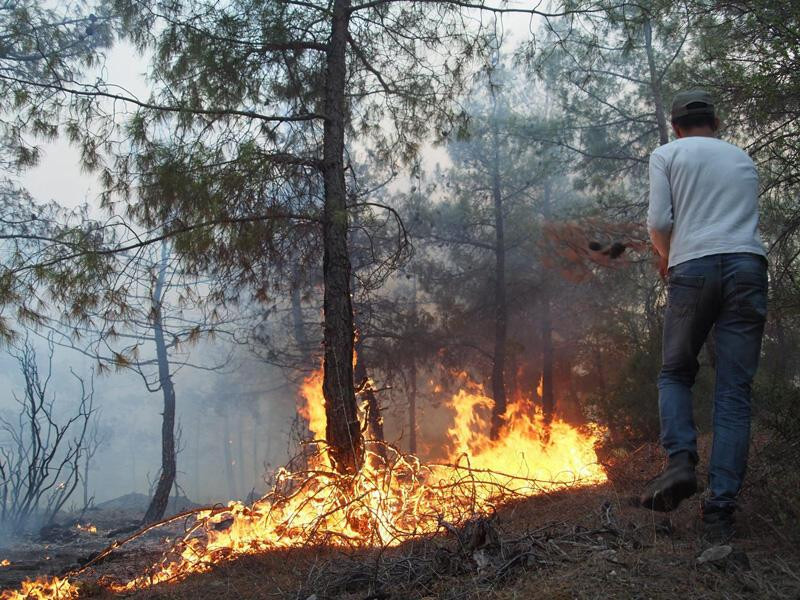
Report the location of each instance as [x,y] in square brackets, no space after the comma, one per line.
[675,483]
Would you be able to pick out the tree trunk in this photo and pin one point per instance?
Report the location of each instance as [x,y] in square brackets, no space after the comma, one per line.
[655,85]
[158,505]
[548,394]
[500,315]
[342,432]
[412,398]
[374,419]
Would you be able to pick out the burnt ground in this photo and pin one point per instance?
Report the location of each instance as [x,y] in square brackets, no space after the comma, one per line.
[578,543]
[76,537]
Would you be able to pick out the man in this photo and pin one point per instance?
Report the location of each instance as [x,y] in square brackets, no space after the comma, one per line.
[703,221]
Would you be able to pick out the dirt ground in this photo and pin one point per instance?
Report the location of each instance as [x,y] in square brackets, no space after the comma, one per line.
[579,543]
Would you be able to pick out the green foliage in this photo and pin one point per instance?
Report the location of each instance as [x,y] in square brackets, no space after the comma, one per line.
[42,47]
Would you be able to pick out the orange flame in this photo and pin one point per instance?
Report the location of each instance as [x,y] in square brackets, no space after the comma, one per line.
[43,589]
[390,500]
[313,410]
[534,455]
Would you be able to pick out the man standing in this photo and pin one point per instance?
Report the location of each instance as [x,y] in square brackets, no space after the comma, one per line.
[703,221]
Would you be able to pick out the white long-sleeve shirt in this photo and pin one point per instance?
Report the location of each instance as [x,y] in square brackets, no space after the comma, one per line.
[704,198]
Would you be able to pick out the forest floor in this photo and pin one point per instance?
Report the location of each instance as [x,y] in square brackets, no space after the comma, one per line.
[578,543]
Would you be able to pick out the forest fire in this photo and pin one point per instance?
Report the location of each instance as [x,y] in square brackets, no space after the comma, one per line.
[393,498]
[43,589]
[531,454]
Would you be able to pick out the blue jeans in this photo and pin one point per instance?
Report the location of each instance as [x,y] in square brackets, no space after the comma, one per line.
[729,293]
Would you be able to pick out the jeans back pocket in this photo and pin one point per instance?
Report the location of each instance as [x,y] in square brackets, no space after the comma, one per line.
[751,294]
[683,293]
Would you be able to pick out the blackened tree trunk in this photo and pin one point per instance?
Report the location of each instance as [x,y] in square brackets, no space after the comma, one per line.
[374,419]
[548,395]
[342,432]
[158,504]
[412,375]
[501,313]
[546,331]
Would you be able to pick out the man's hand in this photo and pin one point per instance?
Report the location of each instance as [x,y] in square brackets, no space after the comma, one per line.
[661,243]
[663,267]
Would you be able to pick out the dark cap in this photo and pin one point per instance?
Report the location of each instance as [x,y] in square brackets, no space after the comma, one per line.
[700,101]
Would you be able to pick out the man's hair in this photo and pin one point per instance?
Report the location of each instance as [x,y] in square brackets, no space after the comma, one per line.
[696,120]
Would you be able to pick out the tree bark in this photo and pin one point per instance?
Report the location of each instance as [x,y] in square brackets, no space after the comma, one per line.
[412,398]
[548,394]
[374,419]
[655,85]
[342,432]
[160,500]
[501,313]
[545,320]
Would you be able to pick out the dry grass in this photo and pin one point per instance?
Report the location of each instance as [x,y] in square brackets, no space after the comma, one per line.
[580,543]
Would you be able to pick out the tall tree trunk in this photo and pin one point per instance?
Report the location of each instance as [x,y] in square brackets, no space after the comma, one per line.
[374,419]
[501,313]
[412,375]
[342,431]
[546,331]
[548,394]
[655,85]
[158,504]
[361,374]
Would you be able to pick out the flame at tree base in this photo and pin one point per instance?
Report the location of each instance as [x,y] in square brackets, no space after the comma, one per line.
[394,497]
